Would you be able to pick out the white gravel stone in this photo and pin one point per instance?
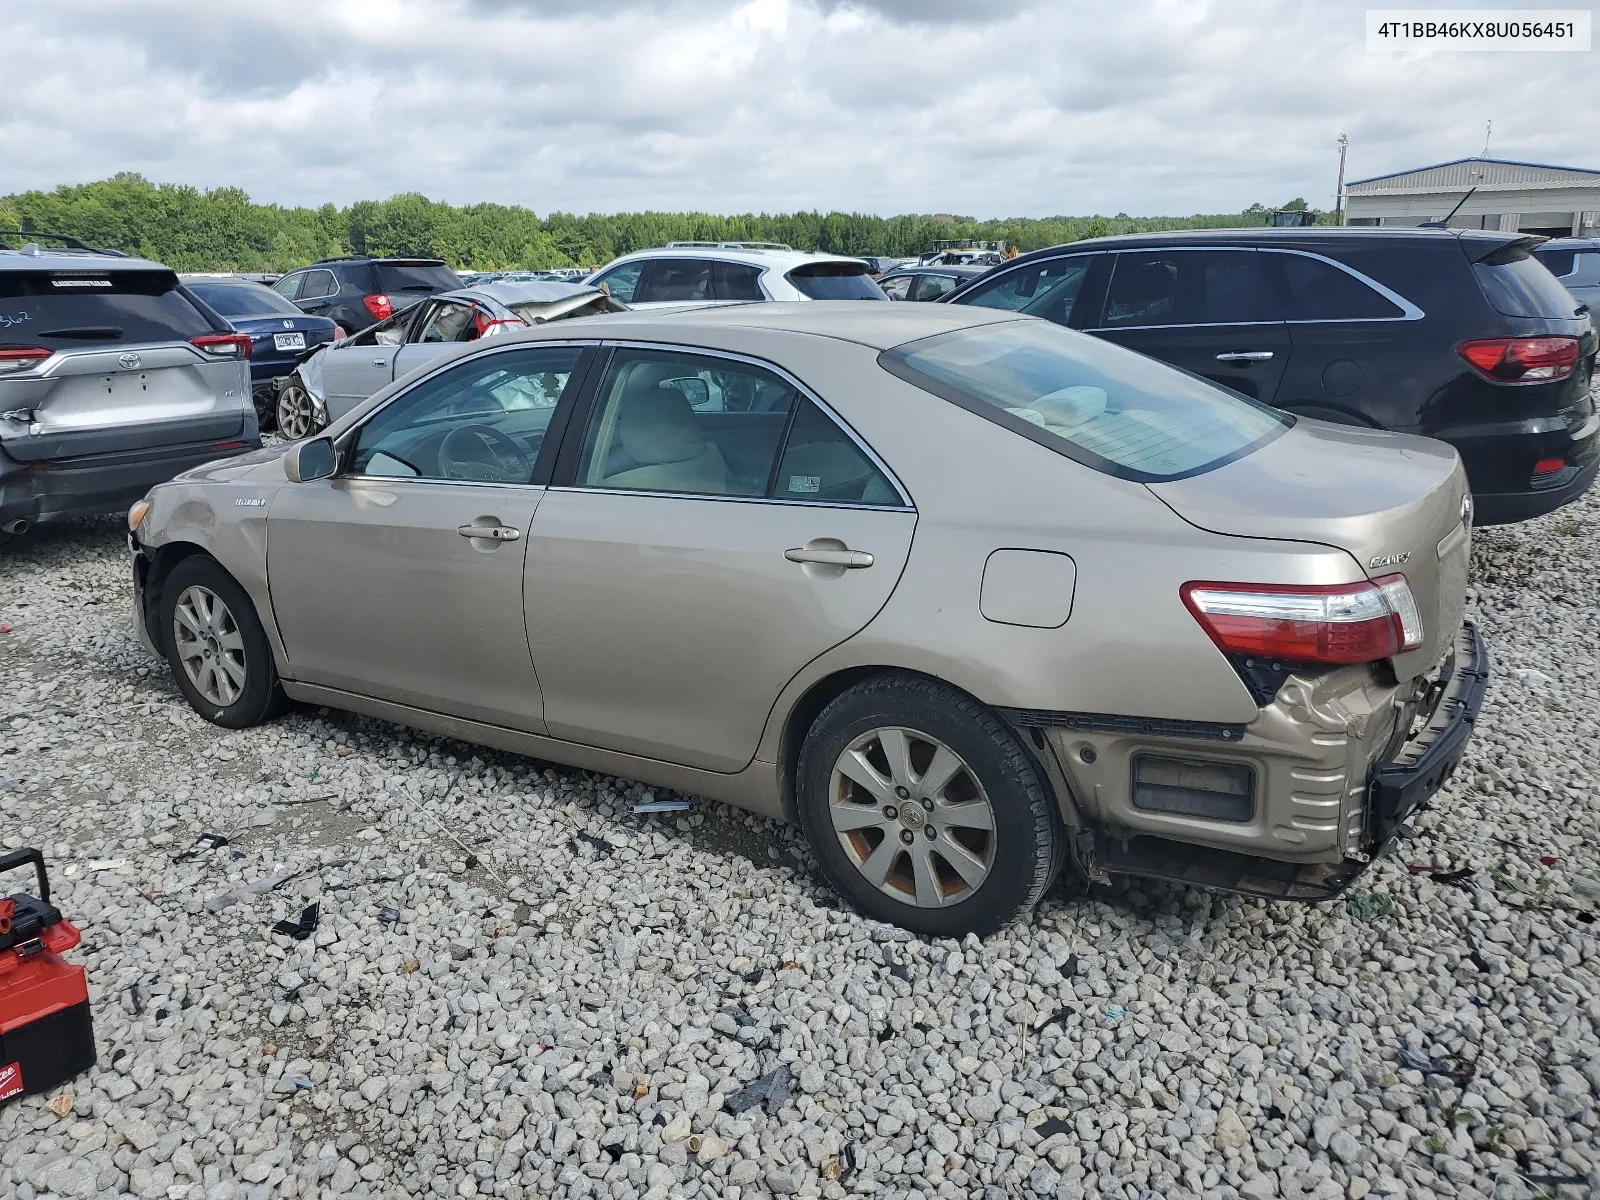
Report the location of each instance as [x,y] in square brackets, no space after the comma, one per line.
[572,1030]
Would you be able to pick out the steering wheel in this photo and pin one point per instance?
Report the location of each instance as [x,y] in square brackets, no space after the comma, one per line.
[484,454]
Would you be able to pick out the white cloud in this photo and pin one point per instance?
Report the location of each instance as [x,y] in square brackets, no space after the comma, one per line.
[989,107]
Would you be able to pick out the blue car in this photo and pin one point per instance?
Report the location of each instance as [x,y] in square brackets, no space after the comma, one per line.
[280,334]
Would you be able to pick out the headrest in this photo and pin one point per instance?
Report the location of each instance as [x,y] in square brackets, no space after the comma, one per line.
[656,424]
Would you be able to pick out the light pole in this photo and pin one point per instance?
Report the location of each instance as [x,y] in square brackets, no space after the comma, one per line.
[1338,191]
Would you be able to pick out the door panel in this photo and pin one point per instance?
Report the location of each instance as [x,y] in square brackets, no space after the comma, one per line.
[377,591]
[352,373]
[1211,312]
[666,626]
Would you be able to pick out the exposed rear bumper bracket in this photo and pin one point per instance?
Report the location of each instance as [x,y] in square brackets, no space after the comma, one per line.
[1225,870]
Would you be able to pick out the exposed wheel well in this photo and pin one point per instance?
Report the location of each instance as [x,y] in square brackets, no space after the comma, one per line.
[162,560]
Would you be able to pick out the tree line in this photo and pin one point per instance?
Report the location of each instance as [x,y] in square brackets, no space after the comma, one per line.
[224,230]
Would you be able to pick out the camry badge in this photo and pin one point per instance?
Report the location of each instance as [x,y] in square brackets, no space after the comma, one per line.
[1389,560]
[129,361]
[250,501]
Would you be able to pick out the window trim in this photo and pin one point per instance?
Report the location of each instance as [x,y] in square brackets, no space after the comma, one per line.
[576,429]
[345,441]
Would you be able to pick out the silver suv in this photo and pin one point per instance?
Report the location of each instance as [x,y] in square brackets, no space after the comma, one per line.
[703,274]
[113,378]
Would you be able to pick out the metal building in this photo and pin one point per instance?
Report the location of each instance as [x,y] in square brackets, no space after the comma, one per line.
[1491,193]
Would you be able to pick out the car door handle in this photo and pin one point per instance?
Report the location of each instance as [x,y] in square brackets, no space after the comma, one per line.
[380,362]
[851,560]
[493,533]
[1245,356]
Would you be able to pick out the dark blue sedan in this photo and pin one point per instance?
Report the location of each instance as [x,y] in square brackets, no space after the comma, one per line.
[280,334]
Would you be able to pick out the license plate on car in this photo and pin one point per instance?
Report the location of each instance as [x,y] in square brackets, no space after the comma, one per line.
[289,341]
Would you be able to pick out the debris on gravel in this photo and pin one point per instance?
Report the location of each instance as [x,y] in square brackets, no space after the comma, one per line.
[303,987]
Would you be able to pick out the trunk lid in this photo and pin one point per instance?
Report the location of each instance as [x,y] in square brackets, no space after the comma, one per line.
[1395,503]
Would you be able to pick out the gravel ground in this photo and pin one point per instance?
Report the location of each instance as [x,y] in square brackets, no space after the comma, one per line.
[518,988]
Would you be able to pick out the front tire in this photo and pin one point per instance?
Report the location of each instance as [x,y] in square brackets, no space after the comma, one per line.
[924,810]
[216,646]
[297,414]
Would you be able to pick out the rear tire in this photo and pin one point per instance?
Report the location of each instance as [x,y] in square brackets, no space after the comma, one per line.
[216,647]
[924,810]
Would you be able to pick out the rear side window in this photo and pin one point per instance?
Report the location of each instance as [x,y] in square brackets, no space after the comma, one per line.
[244,300]
[1519,285]
[621,282]
[414,277]
[1094,402]
[1186,287]
[735,281]
[61,310]
[289,286]
[836,281]
[1046,289]
[1560,262]
[897,287]
[931,287]
[1320,291]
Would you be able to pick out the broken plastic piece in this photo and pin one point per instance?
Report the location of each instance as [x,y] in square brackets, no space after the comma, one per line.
[303,928]
[1454,878]
[1051,1126]
[388,916]
[661,806]
[601,846]
[772,1089]
[1115,1012]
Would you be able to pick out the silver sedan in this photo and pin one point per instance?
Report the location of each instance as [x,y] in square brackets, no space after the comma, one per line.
[969,596]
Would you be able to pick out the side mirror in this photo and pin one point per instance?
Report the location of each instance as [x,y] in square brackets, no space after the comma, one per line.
[314,459]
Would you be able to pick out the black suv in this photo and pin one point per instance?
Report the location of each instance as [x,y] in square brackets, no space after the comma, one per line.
[358,291]
[1459,335]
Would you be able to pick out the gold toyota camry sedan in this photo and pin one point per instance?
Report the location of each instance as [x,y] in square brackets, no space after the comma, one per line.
[969,596]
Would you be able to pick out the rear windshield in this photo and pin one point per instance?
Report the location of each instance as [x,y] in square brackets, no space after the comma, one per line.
[244,300]
[1098,404]
[1519,285]
[61,310]
[415,277]
[836,281]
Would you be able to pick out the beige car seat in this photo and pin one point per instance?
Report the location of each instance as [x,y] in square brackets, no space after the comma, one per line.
[656,430]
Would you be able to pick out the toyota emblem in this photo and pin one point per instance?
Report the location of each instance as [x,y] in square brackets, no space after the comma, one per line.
[129,361]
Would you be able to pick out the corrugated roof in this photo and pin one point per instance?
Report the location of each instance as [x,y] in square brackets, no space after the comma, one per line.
[1486,174]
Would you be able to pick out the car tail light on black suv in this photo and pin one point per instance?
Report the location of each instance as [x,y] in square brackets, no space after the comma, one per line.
[1522,359]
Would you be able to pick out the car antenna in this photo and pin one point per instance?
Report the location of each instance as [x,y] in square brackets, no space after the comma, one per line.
[1445,224]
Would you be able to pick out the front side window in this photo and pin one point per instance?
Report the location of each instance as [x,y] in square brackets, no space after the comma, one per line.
[289,286]
[931,287]
[621,282]
[391,331]
[674,280]
[1186,287]
[1320,291]
[897,287]
[481,421]
[1047,289]
[447,323]
[665,421]
[1096,403]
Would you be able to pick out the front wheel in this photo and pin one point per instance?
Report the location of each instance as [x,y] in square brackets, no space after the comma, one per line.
[924,810]
[216,646]
[297,414]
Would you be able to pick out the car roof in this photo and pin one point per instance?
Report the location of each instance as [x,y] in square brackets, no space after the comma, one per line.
[778,260]
[73,260]
[1305,238]
[1572,243]
[875,324]
[534,291]
[942,269]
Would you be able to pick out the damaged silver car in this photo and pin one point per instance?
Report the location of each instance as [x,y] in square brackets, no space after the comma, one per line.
[338,377]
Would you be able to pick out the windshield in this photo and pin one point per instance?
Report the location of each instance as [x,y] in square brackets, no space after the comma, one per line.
[1098,404]
[836,281]
[61,310]
[415,277]
[244,300]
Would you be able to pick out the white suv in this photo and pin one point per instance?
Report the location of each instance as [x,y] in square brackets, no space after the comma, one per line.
[701,274]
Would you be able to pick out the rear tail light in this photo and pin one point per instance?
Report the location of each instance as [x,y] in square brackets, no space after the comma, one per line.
[339,334]
[223,345]
[378,305]
[486,326]
[21,359]
[1337,623]
[1522,359]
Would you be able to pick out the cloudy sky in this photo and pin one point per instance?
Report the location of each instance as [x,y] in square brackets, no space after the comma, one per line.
[982,107]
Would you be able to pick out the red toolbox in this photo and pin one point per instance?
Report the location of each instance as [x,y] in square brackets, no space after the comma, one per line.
[46,1035]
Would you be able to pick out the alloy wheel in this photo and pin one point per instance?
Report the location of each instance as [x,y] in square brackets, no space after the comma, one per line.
[912,817]
[297,417]
[209,645]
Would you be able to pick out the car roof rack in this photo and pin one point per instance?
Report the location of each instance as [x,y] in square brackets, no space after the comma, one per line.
[729,246]
[67,242]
